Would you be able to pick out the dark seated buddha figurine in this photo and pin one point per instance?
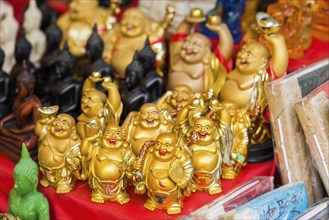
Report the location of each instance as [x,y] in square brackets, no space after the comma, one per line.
[135,95]
[18,126]
[64,90]
[6,99]
[22,52]
[47,70]
[151,81]
[49,14]
[94,50]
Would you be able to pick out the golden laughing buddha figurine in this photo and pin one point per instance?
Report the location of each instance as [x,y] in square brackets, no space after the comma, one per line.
[130,36]
[206,157]
[165,173]
[176,99]
[77,23]
[96,106]
[59,150]
[192,61]
[254,66]
[109,168]
[145,125]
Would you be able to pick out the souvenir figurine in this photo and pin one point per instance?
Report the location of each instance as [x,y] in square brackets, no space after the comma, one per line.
[206,157]
[308,9]
[22,52]
[18,126]
[25,202]
[37,39]
[288,15]
[254,66]
[8,32]
[54,37]
[152,82]
[231,15]
[239,122]
[173,101]
[78,21]
[59,149]
[192,61]
[94,50]
[113,162]
[6,99]
[95,106]
[64,90]
[145,125]
[320,25]
[165,172]
[129,36]
[135,95]
[49,14]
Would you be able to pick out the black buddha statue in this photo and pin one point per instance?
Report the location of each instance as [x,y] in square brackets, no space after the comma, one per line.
[6,99]
[48,14]
[135,95]
[94,50]
[151,81]
[22,52]
[64,90]
[54,37]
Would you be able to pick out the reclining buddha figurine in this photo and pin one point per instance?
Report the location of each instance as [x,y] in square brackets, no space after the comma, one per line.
[111,165]
[77,23]
[130,35]
[164,170]
[192,61]
[18,126]
[59,149]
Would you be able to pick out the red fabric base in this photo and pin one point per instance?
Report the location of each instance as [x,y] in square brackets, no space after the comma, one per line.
[77,204]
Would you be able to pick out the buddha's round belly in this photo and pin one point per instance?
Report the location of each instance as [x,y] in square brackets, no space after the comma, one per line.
[107,171]
[48,159]
[157,181]
[182,78]
[204,161]
[232,93]
[121,59]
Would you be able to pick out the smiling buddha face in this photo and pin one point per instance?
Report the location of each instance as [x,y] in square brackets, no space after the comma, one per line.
[149,116]
[205,129]
[165,147]
[112,136]
[133,23]
[62,126]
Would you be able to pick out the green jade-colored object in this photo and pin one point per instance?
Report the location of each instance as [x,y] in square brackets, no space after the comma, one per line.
[25,201]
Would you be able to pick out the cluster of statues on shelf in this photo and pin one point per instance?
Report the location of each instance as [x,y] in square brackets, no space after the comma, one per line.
[110,120]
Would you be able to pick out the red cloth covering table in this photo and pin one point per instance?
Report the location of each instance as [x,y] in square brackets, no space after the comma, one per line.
[77,204]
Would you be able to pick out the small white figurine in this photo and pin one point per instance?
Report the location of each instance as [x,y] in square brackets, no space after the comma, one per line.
[31,25]
[8,32]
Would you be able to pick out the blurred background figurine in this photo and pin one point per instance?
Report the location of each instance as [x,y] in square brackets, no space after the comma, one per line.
[8,32]
[78,21]
[192,61]
[25,202]
[130,35]
[6,100]
[94,50]
[18,126]
[64,90]
[49,15]
[35,36]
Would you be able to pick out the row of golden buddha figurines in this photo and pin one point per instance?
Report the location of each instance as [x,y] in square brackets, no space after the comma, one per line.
[171,148]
